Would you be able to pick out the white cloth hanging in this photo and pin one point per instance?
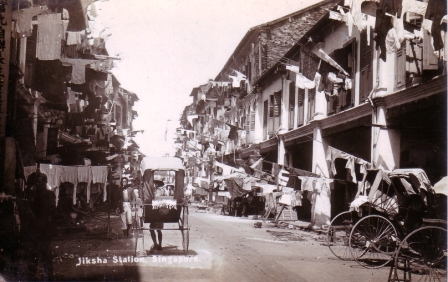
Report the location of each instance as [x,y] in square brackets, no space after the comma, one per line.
[85,175]
[70,174]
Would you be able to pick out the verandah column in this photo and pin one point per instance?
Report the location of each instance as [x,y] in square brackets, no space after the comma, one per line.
[321,206]
[284,114]
[385,141]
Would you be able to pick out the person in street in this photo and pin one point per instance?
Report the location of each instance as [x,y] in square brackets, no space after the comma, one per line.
[158,191]
[139,206]
[127,203]
[245,207]
[43,209]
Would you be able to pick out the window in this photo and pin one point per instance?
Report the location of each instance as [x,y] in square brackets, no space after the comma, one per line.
[400,75]
[265,118]
[300,109]
[365,66]
[274,112]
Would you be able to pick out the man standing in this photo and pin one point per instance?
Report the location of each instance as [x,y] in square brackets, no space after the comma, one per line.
[158,191]
[126,203]
[43,208]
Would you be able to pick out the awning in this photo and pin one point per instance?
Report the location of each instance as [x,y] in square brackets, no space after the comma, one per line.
[417,177]
[236,185]
[161,163]
[441,187]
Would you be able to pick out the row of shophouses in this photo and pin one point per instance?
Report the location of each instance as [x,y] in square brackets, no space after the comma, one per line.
[62,109]
[325,93]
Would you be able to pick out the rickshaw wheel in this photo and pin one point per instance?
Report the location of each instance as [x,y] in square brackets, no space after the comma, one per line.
[339,233]
[425,251]
[373,241]
[185,229]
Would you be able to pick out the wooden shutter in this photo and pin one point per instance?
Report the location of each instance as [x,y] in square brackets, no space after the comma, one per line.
[265,118]
[414,58]
[400,75]
[430,60]
[300,100]
[311,103]
[277,109]
[292,102]
[365,66]
[271,114]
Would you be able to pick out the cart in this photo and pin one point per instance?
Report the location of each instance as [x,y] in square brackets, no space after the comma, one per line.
[392,211]
[163,209]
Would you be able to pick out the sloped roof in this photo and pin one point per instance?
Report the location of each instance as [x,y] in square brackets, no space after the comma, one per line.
[253,30]
[194,91]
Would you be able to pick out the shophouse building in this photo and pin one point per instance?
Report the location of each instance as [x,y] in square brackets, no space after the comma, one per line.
[335,90]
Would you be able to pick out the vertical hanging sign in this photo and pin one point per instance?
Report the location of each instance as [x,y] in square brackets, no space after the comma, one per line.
[5,45]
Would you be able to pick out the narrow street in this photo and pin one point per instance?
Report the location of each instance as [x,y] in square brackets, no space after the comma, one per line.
[222,248]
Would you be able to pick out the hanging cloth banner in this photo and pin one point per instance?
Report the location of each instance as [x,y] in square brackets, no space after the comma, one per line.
[190,118]
[236,80]
[301,81]
[333,154]
[324,56]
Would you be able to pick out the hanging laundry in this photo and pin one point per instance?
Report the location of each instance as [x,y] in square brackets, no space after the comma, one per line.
[73,37]
[292,68]
[23,26]
[53,173]
[236,80]
[348,19]
[226,170]
[85,175]
[392,41]
[28,170]
[99,174]
[70,174]
[333,154]
[414,6]
[383,24]
[333,78]
[282,176]
[435,11]
[307,183]
[190,118]
[78,69]
[357,15]
[302,82]
[49,37]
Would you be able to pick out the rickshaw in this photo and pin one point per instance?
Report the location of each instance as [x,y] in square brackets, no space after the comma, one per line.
[393,211]
[163,209]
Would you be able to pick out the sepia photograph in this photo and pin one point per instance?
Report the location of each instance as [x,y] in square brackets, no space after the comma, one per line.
[212,140]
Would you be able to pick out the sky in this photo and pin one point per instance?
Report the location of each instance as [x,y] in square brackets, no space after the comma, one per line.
[168,47]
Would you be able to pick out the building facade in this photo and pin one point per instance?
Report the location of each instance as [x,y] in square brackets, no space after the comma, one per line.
[333,90]
[63,105]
